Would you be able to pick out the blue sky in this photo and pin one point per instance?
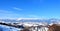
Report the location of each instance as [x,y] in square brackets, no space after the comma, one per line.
[29,8]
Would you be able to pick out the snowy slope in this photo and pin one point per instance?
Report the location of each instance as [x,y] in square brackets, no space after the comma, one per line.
[8,28]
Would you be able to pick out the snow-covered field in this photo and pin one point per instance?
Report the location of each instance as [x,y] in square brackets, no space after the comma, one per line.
[8,28]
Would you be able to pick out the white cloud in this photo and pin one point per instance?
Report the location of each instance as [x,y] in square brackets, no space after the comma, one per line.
[16,8]
[37,17]
[4,11]
[9,14]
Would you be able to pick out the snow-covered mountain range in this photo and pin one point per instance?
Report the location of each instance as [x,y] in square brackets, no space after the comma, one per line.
[30,22]
[53,20]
